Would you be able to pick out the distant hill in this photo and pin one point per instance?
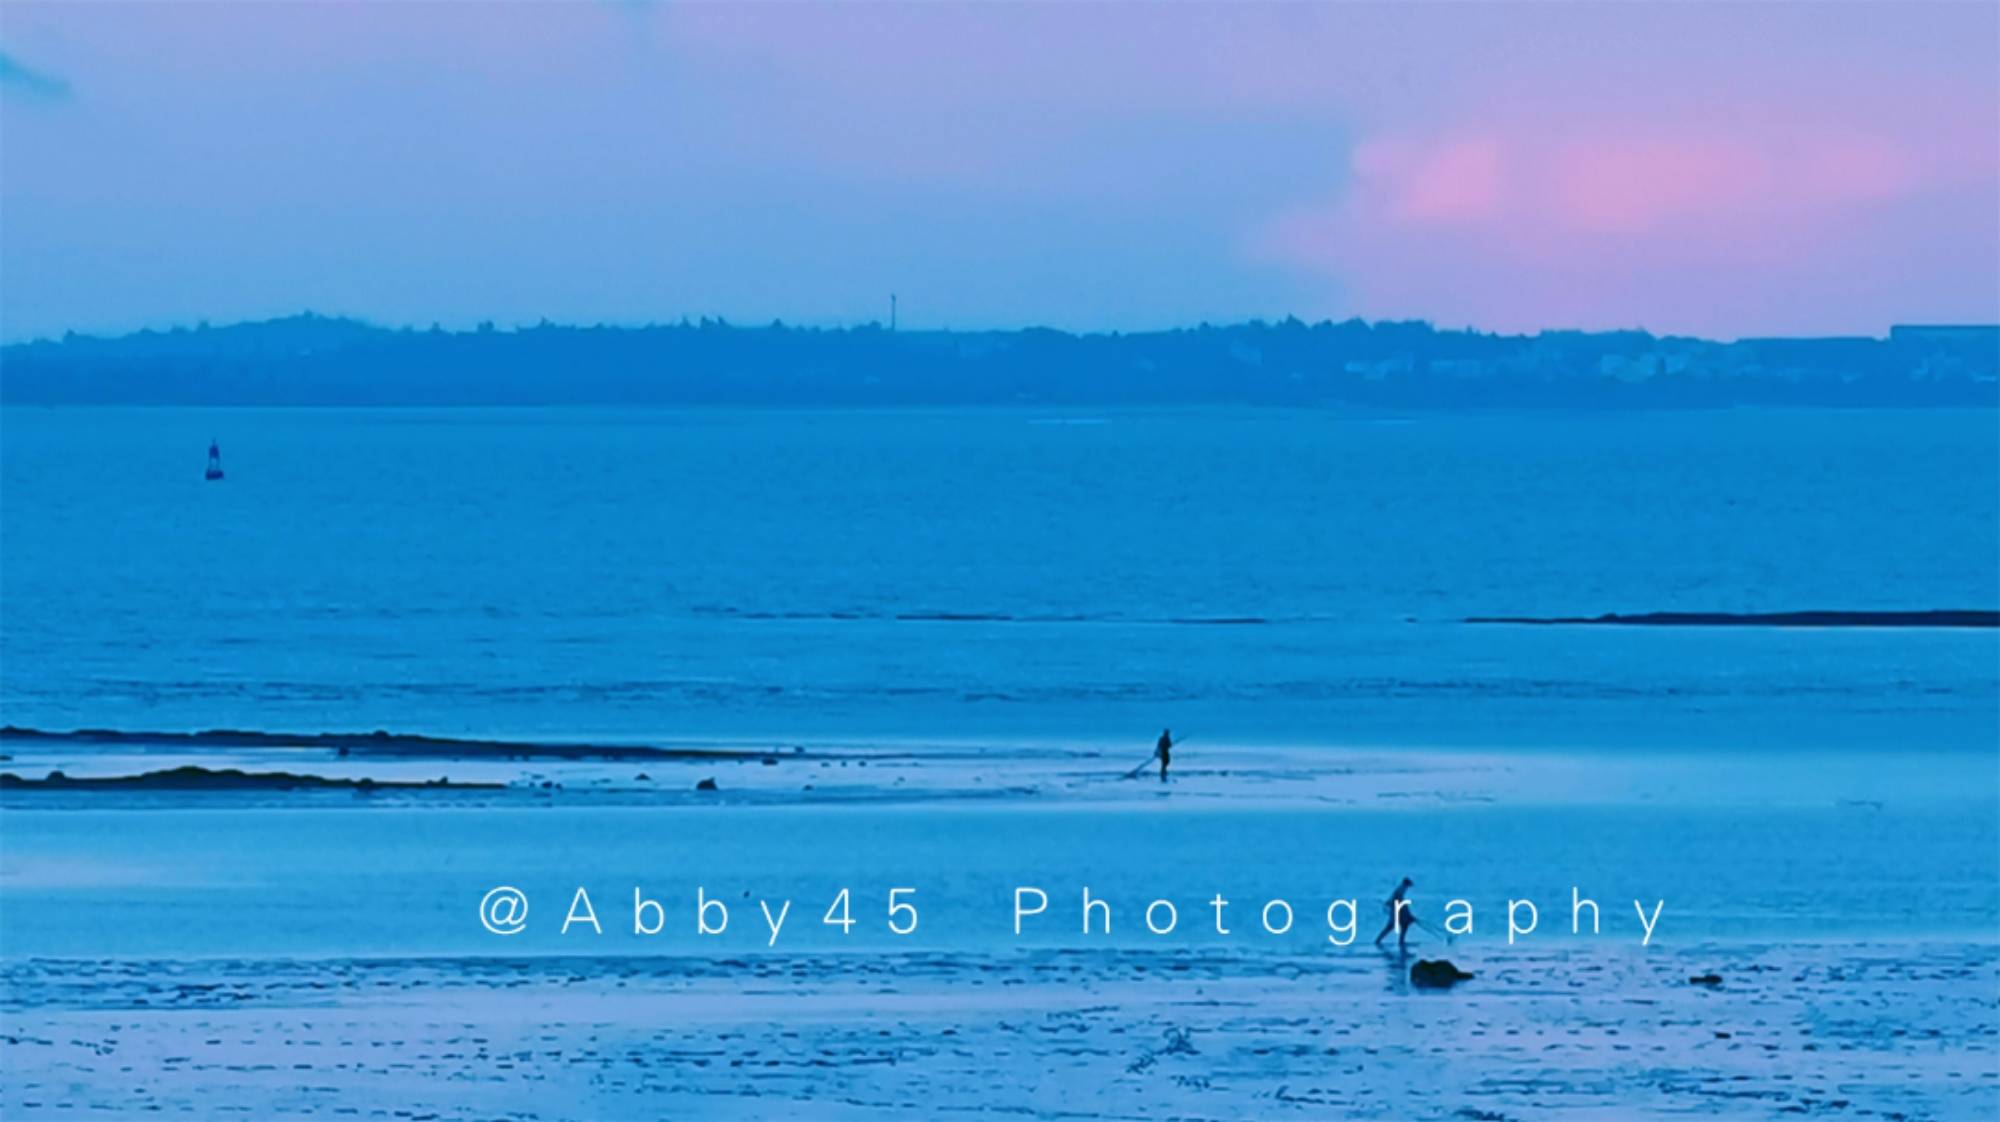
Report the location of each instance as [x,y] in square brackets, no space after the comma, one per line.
[316,360]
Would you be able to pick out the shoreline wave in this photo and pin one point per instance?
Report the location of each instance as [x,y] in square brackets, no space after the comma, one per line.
[1923,618]
[384,743]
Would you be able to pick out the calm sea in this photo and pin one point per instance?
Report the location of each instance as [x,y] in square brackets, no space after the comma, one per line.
[1295,576]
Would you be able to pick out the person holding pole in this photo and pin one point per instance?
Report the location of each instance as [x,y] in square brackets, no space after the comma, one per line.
[1401,919]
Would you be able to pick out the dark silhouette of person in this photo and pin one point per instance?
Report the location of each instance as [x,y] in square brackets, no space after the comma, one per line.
[1401,918]
[1164,750]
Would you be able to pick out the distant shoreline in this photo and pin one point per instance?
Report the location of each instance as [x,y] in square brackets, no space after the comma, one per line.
[312,360]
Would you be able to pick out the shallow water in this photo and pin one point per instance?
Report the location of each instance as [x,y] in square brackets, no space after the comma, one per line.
[209,882]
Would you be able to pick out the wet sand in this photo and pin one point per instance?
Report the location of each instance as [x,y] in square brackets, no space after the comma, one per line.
[193,954]
[416,771]
[1829,1031]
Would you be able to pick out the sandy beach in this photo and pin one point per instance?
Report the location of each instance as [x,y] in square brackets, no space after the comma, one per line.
[281,952]
[1817,1031]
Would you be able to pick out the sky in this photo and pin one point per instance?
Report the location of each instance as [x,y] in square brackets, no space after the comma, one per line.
[1716,169]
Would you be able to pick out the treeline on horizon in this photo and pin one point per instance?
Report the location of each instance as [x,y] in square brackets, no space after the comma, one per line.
[311,360]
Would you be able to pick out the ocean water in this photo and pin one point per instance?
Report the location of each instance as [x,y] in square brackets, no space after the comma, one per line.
[946,636]
[1256,575]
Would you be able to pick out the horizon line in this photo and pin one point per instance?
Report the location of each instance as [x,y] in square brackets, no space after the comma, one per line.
[544,323]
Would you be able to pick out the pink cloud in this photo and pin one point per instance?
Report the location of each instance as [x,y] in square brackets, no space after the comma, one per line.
[1450,181]
[1581,221]
[1621,185]
[1616,179]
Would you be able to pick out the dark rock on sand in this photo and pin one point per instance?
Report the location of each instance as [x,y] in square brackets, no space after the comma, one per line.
[1436,974]
[209,779]
[705,785]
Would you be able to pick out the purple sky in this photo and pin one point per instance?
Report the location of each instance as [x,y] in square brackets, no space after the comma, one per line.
[1725,169]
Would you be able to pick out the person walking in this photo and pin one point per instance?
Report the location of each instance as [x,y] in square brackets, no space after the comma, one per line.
[1401,918]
